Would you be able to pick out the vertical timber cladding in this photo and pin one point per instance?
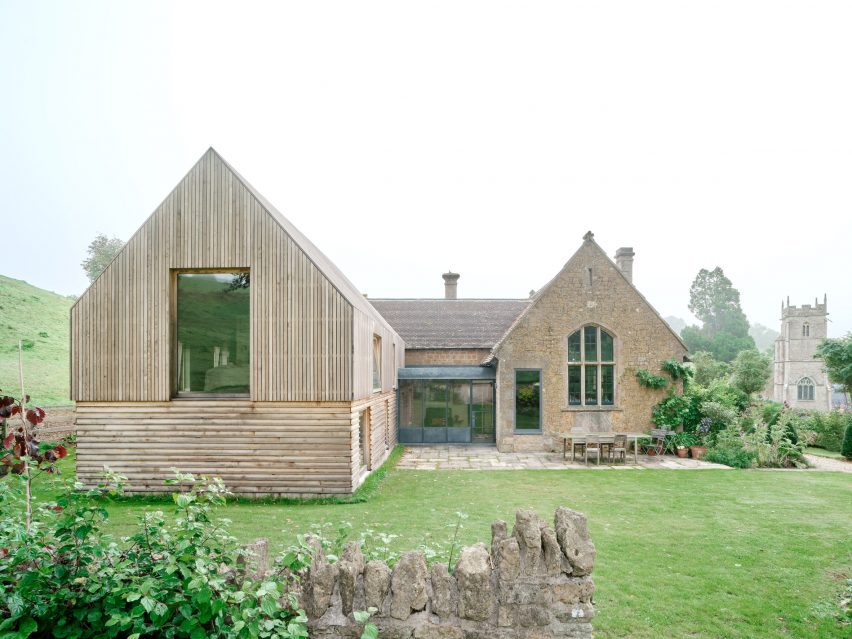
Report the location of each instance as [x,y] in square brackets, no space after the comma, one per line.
[301,325]
[293,435]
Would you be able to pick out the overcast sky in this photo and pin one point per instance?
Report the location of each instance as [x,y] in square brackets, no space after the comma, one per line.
[405,139]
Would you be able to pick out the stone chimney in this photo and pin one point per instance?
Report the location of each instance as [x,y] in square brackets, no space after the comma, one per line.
[624,261]
[451,283]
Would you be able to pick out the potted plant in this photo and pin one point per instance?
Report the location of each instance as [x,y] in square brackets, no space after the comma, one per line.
[698,450]
[682,442]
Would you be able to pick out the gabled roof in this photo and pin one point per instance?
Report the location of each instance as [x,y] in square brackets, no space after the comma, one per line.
[443,323]
[322,262]
[334,275]
[588,240]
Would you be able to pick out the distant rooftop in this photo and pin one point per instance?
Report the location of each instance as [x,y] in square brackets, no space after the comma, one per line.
[450,323]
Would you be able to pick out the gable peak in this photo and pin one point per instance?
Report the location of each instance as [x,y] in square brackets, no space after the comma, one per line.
[589,236]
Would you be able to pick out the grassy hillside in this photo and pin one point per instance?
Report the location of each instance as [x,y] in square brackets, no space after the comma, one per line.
[40,318]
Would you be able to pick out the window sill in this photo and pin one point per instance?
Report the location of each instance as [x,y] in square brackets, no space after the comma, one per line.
[527,432]
[596,409]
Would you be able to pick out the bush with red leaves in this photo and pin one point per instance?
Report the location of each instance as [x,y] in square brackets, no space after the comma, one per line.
[20,442]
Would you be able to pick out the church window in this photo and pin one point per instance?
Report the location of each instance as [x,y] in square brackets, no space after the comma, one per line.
[591,367]
[806,330]
[806,388]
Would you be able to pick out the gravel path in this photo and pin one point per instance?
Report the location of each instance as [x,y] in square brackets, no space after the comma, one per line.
[826,463]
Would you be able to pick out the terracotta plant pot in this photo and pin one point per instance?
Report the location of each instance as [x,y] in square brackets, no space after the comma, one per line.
[683,451]
[697,452]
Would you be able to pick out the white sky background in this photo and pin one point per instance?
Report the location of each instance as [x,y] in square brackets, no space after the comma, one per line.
[405,139]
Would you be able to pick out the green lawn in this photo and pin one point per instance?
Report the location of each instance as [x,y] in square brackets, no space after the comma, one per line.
[711,553]
[822,452]
[41,319]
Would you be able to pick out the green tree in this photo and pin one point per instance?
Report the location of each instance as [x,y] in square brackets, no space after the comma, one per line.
[708,369]
[837,355]
[847,443]
[751,371]
[100,253]
[714,300]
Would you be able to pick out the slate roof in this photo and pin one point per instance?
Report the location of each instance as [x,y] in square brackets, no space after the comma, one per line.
[442,323]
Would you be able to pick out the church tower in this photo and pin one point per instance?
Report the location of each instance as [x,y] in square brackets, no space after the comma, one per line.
[799,378]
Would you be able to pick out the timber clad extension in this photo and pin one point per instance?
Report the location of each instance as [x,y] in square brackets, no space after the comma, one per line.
[309,347]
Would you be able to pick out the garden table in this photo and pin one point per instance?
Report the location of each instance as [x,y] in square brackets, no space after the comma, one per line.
[604,438]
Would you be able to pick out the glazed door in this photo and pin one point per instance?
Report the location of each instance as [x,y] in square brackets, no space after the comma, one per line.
[482,412]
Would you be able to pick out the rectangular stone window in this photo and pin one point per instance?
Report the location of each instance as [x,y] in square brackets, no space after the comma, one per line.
[591,396]
[212,333]
[574,347]
[590,351]
[574,393]
[607,385]
[527,400]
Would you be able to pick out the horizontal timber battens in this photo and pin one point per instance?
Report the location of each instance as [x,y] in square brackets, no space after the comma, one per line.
[294,450]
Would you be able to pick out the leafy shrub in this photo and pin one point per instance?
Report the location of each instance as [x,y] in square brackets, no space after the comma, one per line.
[751,440]
[671,411]
[677,370]
[847,443]
[716,417]
[734,457]
[649,380]
[771,411]
[826,430]
[791,424]
[172,578]
[684,439]
[771,447]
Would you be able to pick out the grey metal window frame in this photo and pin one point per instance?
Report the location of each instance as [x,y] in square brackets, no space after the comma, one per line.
[173,335]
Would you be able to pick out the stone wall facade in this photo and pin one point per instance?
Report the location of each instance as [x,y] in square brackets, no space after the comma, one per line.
[590,290]
[532,583]
[445,356]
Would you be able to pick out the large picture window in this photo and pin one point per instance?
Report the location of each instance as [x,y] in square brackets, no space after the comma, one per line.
[527,400]
[591,367]
[212,349]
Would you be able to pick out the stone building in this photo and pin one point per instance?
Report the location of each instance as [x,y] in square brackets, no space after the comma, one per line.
[799,378]
[518,372]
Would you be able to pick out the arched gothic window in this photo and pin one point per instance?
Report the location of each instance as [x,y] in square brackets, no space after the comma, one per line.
[806,330]
[806,388]
[591,367]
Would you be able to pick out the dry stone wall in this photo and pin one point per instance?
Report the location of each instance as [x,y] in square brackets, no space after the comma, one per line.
[533,583]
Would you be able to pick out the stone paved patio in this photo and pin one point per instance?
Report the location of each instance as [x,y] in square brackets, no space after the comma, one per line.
[489,458]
